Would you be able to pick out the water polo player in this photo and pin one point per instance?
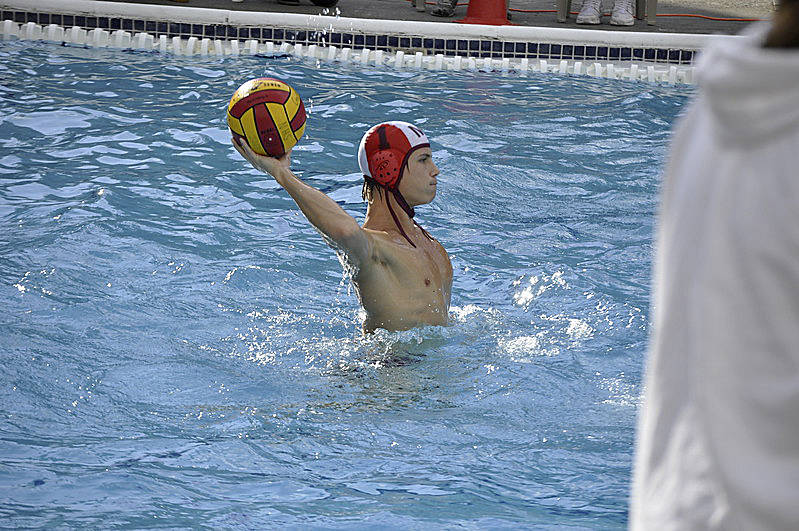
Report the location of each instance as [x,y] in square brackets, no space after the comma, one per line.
[402,275]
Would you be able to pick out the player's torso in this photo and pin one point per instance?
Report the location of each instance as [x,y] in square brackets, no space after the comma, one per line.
[403,287]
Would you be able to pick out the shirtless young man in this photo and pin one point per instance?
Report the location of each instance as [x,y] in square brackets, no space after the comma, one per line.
[403,276]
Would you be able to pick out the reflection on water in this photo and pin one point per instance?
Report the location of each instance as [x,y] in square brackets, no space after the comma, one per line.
[180,348]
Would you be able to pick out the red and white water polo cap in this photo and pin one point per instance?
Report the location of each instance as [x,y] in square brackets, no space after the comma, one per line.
[385,149]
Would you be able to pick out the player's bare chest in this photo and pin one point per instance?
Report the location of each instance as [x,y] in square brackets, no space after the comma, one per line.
[430,263]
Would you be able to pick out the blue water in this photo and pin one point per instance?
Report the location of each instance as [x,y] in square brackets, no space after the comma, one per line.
[180,349]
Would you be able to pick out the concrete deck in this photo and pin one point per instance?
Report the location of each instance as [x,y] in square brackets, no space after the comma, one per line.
[524,12]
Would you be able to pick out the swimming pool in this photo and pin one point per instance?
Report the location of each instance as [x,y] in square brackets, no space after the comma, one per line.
[182,350]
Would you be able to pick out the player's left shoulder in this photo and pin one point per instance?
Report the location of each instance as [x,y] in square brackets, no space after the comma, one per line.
[439,246]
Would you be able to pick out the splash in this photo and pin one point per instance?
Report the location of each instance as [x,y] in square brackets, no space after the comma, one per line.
[538,285]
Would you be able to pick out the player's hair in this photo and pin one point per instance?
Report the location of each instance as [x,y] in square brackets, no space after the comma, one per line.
[369,188]
[785,30]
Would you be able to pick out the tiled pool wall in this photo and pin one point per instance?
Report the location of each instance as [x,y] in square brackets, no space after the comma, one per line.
[429,45]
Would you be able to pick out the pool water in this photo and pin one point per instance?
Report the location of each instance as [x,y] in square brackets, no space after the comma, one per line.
[180,349]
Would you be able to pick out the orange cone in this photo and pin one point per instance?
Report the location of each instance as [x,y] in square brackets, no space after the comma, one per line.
[492,12]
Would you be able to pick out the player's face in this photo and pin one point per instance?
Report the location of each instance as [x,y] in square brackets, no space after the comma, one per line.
[418,184]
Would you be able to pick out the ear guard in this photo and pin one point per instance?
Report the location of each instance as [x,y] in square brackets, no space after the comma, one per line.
[387,166]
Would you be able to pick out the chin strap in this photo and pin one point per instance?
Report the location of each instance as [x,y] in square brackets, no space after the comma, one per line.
[405,207]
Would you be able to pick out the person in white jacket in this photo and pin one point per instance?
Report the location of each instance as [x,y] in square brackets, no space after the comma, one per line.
[718,432]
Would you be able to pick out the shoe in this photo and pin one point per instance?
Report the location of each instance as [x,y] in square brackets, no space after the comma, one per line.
[444,8]
[623,12]
[589,12]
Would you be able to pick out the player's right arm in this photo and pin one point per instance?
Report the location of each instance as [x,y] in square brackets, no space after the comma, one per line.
[325,214]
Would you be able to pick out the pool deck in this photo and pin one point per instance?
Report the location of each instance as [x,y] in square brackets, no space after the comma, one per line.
[403,10]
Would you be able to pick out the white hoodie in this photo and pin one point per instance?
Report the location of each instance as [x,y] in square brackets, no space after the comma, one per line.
[718,432]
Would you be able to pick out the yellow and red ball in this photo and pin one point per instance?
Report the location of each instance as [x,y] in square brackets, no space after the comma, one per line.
[268,114]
